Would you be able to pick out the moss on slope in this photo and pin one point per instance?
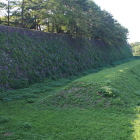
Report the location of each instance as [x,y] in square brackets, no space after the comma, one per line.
[29,56]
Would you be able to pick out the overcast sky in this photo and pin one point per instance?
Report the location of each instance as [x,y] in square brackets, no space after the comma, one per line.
[127,12]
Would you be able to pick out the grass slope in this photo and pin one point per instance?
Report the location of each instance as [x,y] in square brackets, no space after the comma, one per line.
[32,118]
[117,86]
[28,57]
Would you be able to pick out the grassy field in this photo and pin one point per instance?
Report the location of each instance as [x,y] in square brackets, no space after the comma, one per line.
[100,106]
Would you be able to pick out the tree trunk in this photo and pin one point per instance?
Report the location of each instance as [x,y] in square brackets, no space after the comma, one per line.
[8,12]
[22,13]
[48,25]
[52,27]
[35,24]
[39,27]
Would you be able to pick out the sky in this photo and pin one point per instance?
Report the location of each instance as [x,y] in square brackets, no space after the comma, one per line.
[127,13]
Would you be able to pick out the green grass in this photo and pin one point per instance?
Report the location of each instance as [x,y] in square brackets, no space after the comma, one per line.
[44,114]
[29,123]
[117,86]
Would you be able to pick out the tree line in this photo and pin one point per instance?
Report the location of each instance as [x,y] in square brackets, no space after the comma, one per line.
[78,18]
[135,44]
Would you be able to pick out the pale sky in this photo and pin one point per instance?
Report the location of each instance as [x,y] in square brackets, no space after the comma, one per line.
[127,13]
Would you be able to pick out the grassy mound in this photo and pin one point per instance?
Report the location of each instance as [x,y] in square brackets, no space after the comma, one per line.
[29,56]
[117,86]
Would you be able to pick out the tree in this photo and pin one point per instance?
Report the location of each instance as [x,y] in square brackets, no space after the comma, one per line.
[9,7]
[78,18]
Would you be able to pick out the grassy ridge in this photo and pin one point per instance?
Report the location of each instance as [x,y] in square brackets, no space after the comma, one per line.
[29,56]
[32,118]
[118,86]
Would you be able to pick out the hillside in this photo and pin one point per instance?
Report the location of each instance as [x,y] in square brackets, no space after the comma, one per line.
[118,86]
[30,56]
[101,106]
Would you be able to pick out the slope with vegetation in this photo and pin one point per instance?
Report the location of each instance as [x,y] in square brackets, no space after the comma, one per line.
[30,56]
[118,86]
[102,106]
[70,46]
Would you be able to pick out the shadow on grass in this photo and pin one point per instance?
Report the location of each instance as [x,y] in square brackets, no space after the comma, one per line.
[136,57]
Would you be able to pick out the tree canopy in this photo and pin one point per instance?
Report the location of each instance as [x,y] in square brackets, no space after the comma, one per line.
[78,18]
[135,44]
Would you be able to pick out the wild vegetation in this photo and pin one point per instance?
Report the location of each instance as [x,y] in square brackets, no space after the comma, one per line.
[101,105]
[65,83]
[117,86]
[30,56]
[70,46]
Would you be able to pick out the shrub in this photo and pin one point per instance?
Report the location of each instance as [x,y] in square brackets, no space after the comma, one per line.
[108,91]
[26,125]
[4,120]
[117,101]
[30,100]
[18,83]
